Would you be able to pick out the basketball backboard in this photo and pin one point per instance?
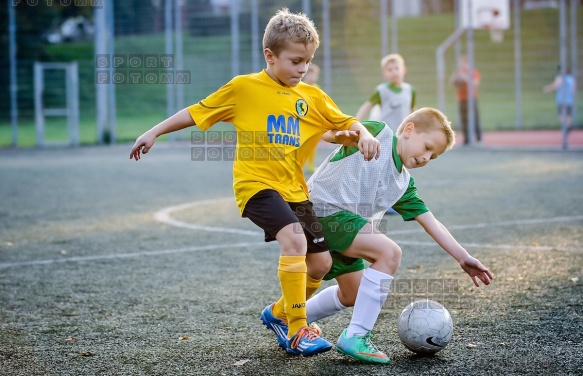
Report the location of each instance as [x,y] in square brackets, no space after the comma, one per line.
[485,14]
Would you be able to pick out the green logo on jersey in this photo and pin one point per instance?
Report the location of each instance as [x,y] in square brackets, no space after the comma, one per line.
[302,107]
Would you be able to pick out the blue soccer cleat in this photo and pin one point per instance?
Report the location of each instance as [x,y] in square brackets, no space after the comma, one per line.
[278,326]
[307,342]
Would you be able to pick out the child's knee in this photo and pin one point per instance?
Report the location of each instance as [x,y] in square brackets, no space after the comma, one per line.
[389,253]
[389,259]
[396,253]
[319,264]
[292,244]
[325,265]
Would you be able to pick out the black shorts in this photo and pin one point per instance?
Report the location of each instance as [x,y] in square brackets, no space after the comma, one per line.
[568,110]
[268,210]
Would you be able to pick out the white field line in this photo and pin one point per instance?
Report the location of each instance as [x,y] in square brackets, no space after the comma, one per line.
[505,223]
[164,216]
[497,246]
[130,255]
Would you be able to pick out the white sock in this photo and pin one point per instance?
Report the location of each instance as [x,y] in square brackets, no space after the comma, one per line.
[323,304]
[372,294]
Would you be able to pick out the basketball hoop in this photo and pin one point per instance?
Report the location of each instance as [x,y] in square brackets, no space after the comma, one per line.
[491,15]
[496,35]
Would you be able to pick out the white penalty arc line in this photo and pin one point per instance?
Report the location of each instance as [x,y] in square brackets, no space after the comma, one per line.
[164,216]
[133,254]
[505,223]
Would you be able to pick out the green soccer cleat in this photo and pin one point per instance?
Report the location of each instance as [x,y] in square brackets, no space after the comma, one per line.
[361,348]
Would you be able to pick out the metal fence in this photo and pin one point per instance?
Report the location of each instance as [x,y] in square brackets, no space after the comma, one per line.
[139,61]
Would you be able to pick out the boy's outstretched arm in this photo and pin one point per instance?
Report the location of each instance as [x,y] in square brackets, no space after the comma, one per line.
[356,135]
[445,239]
[345,138]
[368,145]
[553,85]
[176,122]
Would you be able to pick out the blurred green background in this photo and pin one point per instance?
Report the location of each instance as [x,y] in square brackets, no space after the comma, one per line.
[355,48]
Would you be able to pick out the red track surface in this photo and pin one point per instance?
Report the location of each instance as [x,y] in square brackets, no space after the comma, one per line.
[527,139]
[547,140]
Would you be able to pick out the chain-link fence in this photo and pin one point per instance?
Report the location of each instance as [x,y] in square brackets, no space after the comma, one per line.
[163,55]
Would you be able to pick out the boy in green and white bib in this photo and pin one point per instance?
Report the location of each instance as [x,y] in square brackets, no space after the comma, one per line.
[350,197]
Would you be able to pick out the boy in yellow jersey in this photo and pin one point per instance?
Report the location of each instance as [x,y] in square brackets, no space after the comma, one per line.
[279,119]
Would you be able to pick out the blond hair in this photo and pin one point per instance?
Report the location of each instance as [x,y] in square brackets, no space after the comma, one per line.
[286,27]
[429,119]
[392,58]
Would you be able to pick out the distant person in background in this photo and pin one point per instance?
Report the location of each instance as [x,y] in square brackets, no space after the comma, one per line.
[312,75]
[460,79]
[395,97]
[565,87]
[311,78]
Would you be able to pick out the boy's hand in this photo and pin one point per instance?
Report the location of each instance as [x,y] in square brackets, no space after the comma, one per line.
[475,269]
[369,146]
[142,144]
[347,138]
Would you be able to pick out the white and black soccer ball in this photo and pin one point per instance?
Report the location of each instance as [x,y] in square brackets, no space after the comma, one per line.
[425,327]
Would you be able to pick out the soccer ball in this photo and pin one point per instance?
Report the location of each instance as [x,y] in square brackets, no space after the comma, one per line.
[425,327]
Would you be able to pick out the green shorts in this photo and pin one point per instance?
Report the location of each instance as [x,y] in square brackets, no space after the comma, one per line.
[340,229]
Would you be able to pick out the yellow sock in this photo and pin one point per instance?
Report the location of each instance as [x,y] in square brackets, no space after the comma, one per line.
[292,277]
[278,309]
[312,285]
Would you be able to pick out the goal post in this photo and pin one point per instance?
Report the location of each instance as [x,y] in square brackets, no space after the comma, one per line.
[71,111]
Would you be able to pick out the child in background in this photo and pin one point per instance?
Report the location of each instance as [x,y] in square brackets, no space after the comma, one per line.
[280,119]
[395,97]
[312,75]
[565,87]
[311,78]
[460,78]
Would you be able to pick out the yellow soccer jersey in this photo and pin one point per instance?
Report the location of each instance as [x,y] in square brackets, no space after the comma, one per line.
[277,129]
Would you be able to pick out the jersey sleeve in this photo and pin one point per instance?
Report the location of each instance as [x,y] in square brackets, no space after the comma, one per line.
[218,106]
[413,96]
[375,98]
[410,205]
[374,127]
[336,119]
